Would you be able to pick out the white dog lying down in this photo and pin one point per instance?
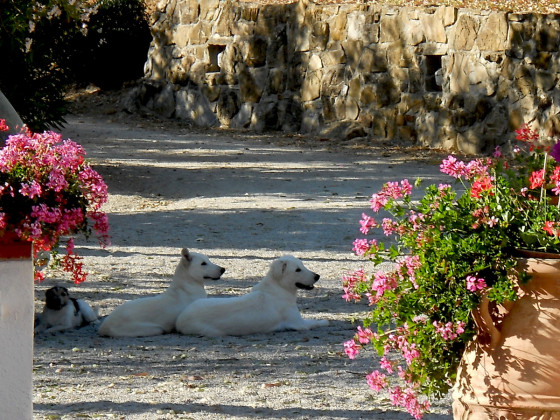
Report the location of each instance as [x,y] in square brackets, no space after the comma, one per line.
[270,306]
[156,315]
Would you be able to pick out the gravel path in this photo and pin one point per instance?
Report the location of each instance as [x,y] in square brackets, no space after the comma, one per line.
[244,200]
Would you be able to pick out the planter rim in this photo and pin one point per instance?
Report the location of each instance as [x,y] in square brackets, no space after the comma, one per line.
[13,248]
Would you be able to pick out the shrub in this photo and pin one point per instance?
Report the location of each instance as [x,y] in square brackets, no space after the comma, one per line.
[37,43]
[118,39]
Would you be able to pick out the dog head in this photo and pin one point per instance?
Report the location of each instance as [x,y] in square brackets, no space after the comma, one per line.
[56,297]
[291,273]
[199,266]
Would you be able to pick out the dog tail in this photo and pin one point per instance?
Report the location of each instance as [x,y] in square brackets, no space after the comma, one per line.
[88,314]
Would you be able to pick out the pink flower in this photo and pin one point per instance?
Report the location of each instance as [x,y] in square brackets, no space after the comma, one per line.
[31,190]
[497,152]
[386,365]
[551,228]
[378,201]
[360,247]
[367,223]
[481,185]
[537,179]
[349,284]
[351,349]
[449,331]
[474,284]
[453,167]
[376,380]
[364,336]
[382,282]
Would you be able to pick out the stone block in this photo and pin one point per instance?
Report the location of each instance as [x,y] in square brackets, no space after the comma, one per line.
[433,28]
[212,93]
[249,90]
[333,80]
[459,69]
[320,35]
[448,15]
[493,33]
[311,87]
[254,52]
[277,80]
[523,79]
[367,95]
[338,27]
[413,31]
[356,26]
[545,80]
[243,117]
[464,34]
[353,51]
[396,54]
[181,35]
[333,57]
[188,12]
[546,38]
[471,142]
[193,106]
[315,62]
[250,13]
[302,38]
[208,9]
[242,28]
[390,29]
[228,106]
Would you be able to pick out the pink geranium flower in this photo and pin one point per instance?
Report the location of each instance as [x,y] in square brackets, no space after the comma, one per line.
[57,194]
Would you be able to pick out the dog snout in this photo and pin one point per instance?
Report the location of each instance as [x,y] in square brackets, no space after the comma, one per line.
[316,277]
[222,270]
[55,302]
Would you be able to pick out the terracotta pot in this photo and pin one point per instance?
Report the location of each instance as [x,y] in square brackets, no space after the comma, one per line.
[512,369]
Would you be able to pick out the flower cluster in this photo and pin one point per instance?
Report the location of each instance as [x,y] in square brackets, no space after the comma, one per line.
[48,191]
[448,248]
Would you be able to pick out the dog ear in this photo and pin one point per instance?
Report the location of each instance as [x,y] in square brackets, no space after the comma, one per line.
[278,267]
[185,253]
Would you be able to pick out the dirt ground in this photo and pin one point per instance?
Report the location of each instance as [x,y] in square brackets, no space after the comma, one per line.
[243,199]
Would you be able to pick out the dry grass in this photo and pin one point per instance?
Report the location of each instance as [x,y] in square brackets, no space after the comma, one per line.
[519,6]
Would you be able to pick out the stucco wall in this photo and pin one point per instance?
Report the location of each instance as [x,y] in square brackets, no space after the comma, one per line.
[438,76]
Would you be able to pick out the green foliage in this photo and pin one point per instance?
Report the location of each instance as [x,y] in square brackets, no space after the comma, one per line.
[47,44]
[118,39]
[37,40]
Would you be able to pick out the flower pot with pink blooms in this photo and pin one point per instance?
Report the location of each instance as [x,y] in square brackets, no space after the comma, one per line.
[464,308]
[49,193]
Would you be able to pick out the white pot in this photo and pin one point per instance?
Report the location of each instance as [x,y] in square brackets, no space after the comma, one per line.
[16,331]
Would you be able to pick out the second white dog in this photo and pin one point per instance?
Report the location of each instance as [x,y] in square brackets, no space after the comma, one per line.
[270,306]
[156,315]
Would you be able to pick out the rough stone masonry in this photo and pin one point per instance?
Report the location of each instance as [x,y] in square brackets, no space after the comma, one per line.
[441,77]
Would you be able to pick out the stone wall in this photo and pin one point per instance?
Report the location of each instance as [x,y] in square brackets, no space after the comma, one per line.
[439,76]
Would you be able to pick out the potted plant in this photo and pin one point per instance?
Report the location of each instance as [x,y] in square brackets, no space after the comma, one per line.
[48,194]
[444,314]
